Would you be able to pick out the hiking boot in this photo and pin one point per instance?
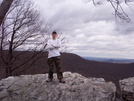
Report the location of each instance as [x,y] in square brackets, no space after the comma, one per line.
[49,80]
[62,81]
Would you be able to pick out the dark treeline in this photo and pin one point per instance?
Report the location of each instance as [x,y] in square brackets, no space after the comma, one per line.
[74,63]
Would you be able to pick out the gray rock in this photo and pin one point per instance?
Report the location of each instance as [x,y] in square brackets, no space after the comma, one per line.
[127,89]
[76,88]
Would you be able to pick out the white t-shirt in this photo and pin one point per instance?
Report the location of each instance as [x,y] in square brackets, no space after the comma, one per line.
[53,50]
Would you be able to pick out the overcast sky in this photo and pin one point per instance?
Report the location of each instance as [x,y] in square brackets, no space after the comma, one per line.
[91,31]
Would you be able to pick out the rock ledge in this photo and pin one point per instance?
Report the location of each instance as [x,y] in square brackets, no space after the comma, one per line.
[127,89]
[76,88]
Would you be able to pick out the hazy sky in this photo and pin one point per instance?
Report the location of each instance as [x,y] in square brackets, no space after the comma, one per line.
[91,31]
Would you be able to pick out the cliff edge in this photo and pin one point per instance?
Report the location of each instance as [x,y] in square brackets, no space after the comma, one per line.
[76,88]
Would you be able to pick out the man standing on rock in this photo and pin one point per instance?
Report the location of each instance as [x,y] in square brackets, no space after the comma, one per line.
[53,46]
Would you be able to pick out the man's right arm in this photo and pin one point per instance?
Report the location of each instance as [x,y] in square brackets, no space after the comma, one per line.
[49,46]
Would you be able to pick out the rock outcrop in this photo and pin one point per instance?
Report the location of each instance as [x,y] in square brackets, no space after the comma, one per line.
[127,89]
[76,88]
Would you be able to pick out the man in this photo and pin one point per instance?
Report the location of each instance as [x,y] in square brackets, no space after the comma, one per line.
[53,46]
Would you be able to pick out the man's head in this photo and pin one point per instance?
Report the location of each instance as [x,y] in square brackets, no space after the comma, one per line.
[54,34]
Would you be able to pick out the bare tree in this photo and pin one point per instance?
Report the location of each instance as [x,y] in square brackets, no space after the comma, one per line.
[4,7]
[119,12]
[22,29]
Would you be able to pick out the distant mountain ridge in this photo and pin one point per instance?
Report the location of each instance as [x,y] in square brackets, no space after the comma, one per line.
[110,60]
[74,63]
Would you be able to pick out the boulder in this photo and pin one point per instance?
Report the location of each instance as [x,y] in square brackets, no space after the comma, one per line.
[76,88]
[127,89]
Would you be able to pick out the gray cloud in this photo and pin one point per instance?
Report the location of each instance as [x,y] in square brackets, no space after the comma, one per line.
[92,31]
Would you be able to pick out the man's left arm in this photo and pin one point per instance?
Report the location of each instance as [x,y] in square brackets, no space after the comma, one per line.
[58,45]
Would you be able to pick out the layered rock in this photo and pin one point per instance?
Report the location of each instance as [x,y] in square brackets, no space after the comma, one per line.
[127,89]
[76,88]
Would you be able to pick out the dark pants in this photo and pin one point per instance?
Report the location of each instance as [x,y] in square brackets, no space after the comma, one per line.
[57,62]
